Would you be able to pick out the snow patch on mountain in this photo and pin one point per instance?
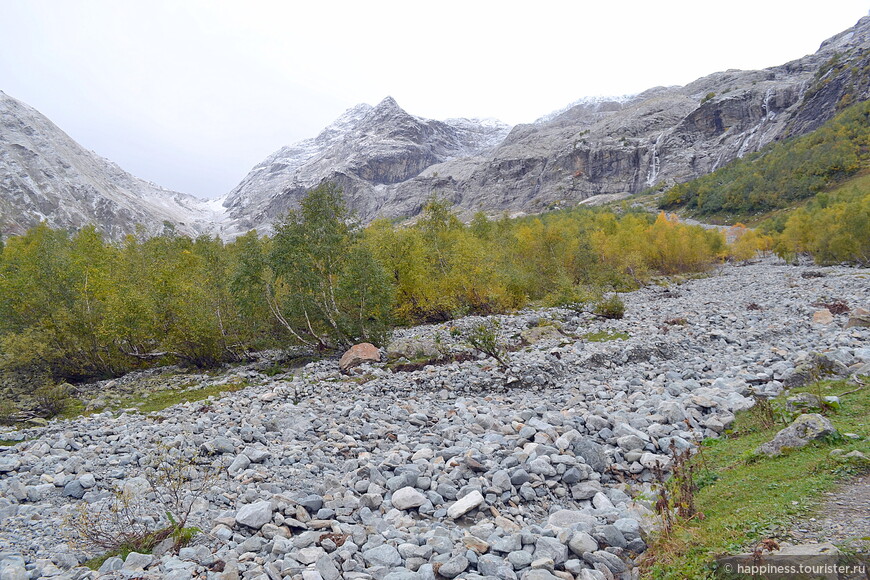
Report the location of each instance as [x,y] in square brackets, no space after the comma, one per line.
[593,102]
[380,146]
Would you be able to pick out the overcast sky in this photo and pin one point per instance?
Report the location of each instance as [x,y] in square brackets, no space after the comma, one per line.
[191,94]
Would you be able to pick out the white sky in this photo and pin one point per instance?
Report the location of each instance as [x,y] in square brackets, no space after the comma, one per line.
[191,94]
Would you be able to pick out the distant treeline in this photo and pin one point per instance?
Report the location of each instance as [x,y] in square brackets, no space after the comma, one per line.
[782,174]
[833,227]
[820,183]
[75,306]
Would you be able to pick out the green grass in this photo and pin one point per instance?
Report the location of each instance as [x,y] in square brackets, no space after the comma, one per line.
[181,535]
[159,400]
[605,336]
[148,403]
[96,562]
[745,498]
[74,408]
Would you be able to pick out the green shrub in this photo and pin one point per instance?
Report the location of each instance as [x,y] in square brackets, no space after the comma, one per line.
[8,412]
[178,478]
[52,400]
[483,337]
[611,307]
[783,173]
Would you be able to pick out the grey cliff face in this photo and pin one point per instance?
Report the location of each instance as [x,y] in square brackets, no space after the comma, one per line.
[389,163]
[46,176]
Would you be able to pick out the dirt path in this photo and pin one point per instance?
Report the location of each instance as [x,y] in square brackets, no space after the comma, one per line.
[843,518]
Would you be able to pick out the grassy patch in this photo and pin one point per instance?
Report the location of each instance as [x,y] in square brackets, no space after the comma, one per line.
[96,562]
[159,400]
[745,498]
[182,536]
[604,336]
[74,408]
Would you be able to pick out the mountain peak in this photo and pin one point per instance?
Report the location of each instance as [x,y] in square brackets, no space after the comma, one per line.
[389,103]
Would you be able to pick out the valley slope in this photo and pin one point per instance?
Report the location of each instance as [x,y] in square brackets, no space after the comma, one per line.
[46,176]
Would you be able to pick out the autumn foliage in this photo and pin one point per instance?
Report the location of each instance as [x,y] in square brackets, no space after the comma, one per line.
[75,306]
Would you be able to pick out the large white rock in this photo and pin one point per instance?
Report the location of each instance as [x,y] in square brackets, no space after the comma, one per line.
[581,542]
[407,498]
[255,515]
[465,505]
[136,487]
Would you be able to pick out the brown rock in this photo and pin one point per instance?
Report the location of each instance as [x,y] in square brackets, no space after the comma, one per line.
[476,544]
[859,317]
[358,354]
[823,316]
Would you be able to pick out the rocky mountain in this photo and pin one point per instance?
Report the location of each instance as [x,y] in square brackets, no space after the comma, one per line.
[369,151]
[46,176]
[389,162]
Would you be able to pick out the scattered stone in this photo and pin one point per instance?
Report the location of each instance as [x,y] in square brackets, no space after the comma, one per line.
[804,429]
[137,561]
[407,498]
[465,505]
[453,567]
[823,316]
[551,548]
[859,318]
[413,349]
[570,518]
[9,463]
[218,446]
[383,555]
[538,334]
[581,542]
[417,468]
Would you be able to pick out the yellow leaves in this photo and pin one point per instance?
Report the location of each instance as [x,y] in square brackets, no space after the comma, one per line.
[839,232]
[745,243]
[667,246]
[552,259]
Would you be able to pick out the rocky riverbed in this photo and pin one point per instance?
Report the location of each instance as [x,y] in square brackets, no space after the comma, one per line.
[449,468]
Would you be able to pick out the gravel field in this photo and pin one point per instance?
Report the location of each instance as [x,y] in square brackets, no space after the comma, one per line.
[458,469]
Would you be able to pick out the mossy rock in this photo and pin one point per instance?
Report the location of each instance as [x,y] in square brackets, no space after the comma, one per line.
[413,349]
[541,333]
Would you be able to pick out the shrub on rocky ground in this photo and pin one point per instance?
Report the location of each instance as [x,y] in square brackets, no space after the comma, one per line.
[483,338]
[52,400]
[151,511]
[8,412]
[611,307]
